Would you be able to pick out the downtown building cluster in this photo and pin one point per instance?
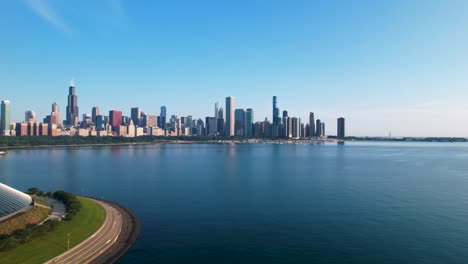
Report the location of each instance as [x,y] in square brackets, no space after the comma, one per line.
[228,122]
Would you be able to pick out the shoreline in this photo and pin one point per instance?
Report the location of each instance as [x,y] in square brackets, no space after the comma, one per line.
[219,141]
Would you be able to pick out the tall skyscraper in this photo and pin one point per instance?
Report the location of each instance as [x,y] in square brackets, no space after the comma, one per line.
[162,118]
[136,116]
[220,121]
[340,133]
[72,107]
[94,113]
[276,114]
[211,126]
[318,128]
[249,119]
[216,110]
[296,127]
[55,115]
[115,119]
[99,123]
[311,125]
[5,118]
[239,122]
[230,101]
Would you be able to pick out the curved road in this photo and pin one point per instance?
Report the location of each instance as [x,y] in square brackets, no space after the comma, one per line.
[98,243]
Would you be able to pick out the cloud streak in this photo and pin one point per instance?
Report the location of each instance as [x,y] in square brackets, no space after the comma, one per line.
[44,10]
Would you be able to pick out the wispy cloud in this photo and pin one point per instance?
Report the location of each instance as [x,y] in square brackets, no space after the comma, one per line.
[43,9]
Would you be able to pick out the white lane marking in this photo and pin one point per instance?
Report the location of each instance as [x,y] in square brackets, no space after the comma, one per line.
[108,241]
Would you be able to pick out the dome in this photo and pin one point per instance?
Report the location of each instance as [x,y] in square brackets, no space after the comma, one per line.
[12,201]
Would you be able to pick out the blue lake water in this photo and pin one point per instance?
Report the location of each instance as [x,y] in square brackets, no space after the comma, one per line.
[209,203]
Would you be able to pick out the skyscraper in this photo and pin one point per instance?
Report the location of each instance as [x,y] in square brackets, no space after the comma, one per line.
[162,118]
[72,107]
[230,101]
[5,118]
[55,115]
[220,121]
[239,122]
[211,126]
[94,113]
[276,117]
[311,125]
[115,119]
[318,128]
[295,127]
[136,116]
[340,133]
[30,116]
[216,110]
[249,118]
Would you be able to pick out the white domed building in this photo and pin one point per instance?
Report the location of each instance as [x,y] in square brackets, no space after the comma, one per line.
[12,201]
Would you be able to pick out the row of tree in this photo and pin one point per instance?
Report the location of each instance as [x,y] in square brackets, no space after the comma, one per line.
[67,140]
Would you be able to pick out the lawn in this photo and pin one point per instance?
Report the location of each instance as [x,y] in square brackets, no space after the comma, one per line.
[40,201]
[32,217]
[85,223]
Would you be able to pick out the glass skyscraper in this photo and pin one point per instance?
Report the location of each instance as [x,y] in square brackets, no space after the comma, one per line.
[249,119]
[72,107]
[5,118]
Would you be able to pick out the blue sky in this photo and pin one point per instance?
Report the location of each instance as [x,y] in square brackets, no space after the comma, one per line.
[396,66]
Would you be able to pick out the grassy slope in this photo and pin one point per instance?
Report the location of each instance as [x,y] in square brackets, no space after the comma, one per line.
[40,201]
[86,222]
[21,221]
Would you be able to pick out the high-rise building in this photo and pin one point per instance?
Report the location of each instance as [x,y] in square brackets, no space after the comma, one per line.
[230,102]
[99,123]
[276,114]
[249,119]
[55,115]
[217,110]
[340,133]
[162,118]
[30,116]
[136,116]
[72,107]
[296,127]
[5,118]
[151,120]
[94,113]
[211,126]
[322,126]
[318,128]
[220,121]
[239,122]
[115,119]
[311,125]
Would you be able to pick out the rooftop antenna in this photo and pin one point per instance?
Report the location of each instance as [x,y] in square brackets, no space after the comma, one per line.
[72,82]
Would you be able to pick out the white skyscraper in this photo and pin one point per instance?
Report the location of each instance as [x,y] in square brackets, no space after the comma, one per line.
[230,116]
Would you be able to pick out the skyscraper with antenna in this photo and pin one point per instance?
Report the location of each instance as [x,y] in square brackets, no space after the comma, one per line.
[72,107]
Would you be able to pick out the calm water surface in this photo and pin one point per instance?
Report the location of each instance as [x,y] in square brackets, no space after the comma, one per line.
[206,203]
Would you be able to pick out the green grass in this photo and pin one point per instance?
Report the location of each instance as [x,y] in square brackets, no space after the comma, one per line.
[23,220]
[85,223]
[40,201]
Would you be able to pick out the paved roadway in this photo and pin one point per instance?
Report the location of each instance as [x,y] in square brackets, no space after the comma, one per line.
[102,240]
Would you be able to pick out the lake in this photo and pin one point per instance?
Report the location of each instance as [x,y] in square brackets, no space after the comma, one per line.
[261,203]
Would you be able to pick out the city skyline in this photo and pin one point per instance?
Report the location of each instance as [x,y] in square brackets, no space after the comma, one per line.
[387,67]
[237,122]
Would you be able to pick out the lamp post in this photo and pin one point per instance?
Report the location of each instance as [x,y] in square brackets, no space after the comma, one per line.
[68,241]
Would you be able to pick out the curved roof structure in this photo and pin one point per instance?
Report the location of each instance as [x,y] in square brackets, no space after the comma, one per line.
[12,201]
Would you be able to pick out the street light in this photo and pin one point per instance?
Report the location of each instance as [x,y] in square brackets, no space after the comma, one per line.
[68,241]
